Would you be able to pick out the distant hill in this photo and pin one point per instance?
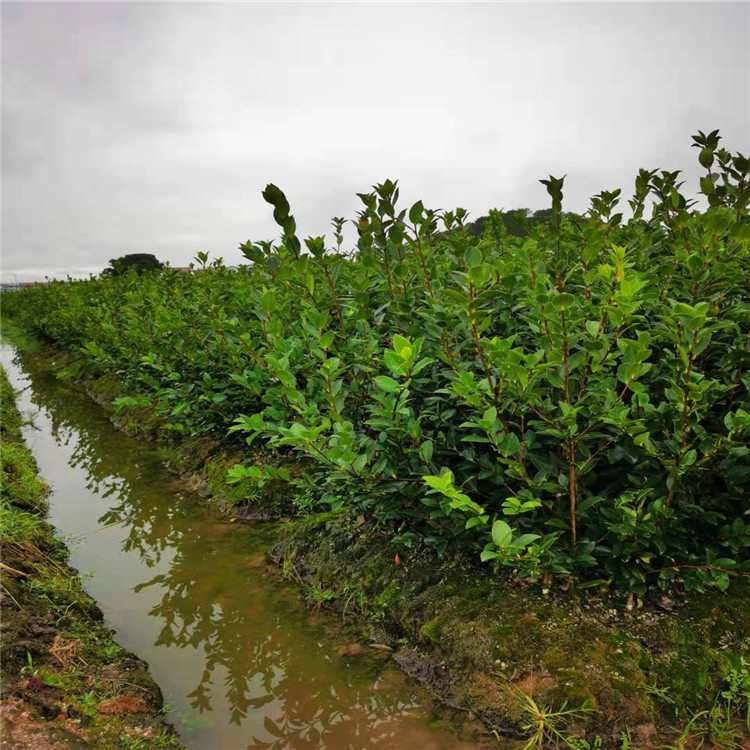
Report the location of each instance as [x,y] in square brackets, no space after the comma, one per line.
[518,222]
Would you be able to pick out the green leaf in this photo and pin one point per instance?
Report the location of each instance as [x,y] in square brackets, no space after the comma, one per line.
[525,540]
[501,534]
[415,213]
[389,385]
[563,301]
[268,303]
[490,415]
[277,199]
[473,257]
[508,444]
[689,458]
[706,157]
[488,554]
[400,343]
[592,326]
[238,472]
[707,186]
[326,339]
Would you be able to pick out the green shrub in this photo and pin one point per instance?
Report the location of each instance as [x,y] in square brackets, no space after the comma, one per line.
[571,403]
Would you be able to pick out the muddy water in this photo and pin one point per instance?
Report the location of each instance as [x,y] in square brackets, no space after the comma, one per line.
[242,663]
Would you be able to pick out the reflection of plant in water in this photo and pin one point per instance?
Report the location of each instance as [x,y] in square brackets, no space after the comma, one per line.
[189,723]
[242,623]
[212,602]
[115,467]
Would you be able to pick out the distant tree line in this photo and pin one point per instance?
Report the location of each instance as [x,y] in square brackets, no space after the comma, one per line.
[139,262]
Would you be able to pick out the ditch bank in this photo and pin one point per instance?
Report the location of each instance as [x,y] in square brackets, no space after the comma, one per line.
[66,683]
[600,665]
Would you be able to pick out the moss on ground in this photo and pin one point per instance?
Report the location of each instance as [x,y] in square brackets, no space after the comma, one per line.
[64,678]
[477,638]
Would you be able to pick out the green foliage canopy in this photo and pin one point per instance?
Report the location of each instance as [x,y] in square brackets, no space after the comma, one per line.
[572,403]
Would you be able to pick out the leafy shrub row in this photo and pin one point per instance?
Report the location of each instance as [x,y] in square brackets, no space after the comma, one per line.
[573,403]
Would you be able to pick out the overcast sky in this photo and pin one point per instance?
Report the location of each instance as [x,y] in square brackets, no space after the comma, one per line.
[153,127]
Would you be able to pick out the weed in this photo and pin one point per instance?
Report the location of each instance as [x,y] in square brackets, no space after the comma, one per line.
[86,703]
[163,739]
[546,725]
[718,725]
[320,596]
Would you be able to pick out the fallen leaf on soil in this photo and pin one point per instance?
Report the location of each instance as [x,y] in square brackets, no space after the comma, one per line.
[381,647]
[124,704]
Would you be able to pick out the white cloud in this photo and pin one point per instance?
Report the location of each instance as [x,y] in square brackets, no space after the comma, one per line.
[154,127]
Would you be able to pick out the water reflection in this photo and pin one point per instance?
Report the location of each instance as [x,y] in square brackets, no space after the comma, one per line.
[230,642]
